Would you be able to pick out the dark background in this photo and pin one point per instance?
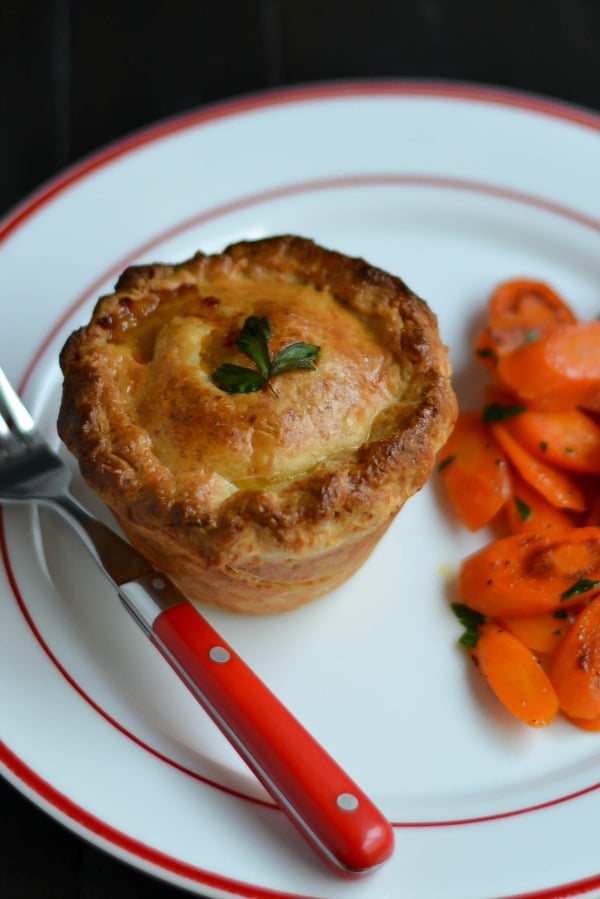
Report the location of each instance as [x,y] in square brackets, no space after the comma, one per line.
[76,74]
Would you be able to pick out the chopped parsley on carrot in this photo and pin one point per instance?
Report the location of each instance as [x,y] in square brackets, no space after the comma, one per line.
[529,462]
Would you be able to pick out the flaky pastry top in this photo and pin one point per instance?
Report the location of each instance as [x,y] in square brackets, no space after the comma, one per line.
[161,442]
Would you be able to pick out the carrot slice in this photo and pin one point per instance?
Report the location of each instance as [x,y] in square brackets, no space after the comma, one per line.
[515,676]
[592,724]
[540,633]
[593,515]
[501,404]
[575,666]
[501,336]
[528,574]
[519,311]
[557,487]
[474,471]
[486,349]
[561,369]
[569,439]
[528,512]
[530,301]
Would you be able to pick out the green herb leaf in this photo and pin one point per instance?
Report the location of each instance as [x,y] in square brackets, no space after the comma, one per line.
[445,462]
[522,508]
[296,355]
[470,638]
[254,342]
[470,620]
[467,616]
[498,412]
[237,379]
[583,585]
[530,336]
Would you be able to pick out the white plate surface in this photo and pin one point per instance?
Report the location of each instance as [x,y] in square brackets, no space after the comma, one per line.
[454,188]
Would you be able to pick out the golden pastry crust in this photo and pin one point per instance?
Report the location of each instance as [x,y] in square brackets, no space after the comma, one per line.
[262,501]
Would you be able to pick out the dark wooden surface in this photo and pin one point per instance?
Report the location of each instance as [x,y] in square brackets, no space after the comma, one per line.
[76,74]
[79,73]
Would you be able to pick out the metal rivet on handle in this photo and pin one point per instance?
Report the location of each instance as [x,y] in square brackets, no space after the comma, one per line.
[158,583]
[347,802]
[219,654]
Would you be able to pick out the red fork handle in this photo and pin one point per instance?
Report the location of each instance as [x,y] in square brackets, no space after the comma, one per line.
[339,821]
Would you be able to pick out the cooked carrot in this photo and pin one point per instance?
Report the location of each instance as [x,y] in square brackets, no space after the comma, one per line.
[474,471]
[568,439]
[499,395]
[528,574]
[528,512]
[592,724]
[526,300]
[505,336]
[515,675]
[560,370]
[575,666]
[500,336]
[537,592]
[593,514]
[519,311]
[591,403]
[501,404]
[540,633]
[558,487]
[486,349]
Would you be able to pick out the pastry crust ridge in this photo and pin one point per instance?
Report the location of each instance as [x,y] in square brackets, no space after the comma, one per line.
[257,502]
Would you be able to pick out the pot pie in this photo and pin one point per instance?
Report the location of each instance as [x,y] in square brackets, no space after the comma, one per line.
[260,501]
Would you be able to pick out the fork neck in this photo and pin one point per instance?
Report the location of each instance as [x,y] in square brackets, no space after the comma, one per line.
[115,556]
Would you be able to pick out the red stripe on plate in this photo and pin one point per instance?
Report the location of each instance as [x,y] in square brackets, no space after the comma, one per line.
[416,179]
[345,90]
[406,180]
[279,97]
[91,702]
[134,848]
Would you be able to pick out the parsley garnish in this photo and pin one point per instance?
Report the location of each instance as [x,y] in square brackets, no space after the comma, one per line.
[522,508]
[445,462]
[498,412]
[583,585]
[254,342]
[470,620]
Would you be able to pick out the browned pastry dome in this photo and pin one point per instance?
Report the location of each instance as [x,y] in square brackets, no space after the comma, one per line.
[261,501]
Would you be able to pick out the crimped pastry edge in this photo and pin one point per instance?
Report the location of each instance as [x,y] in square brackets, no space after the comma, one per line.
[268,550]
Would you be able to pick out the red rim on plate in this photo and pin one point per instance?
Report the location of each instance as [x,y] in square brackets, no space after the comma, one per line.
[23,776]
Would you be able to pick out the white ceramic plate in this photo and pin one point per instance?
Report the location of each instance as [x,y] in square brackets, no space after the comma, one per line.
[454,188]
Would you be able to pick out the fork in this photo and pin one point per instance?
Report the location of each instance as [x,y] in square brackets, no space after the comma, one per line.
[333,814]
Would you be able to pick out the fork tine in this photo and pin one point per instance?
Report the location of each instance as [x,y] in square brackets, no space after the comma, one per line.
[4,430]
[9,441]
[12,408]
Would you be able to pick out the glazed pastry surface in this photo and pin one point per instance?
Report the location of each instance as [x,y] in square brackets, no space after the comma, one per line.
[257,501]
[264,437]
